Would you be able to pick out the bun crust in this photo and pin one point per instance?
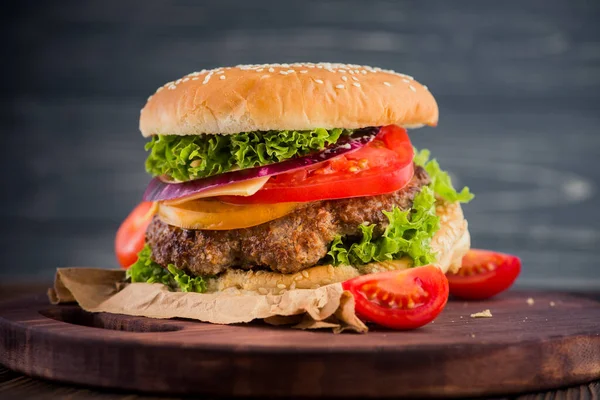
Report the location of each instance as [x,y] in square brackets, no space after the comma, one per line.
[298,96]
[451,242]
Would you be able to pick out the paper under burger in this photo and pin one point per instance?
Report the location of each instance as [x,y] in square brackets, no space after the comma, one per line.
[278,183]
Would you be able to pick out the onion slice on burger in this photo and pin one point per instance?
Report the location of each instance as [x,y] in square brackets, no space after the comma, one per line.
[158,190]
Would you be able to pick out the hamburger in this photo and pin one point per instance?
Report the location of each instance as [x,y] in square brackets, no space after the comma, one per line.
[278,177]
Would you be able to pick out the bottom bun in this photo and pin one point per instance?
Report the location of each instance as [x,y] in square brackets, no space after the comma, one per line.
[451,242]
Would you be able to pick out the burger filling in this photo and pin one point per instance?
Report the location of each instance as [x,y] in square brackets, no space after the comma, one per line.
[298,240]
[374,204]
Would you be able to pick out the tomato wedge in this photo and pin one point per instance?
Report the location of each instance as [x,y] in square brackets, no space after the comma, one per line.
[132,233]
[405,299]
[383,166]
[484,274]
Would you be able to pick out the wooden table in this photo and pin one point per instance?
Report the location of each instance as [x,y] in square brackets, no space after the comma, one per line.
[15,385]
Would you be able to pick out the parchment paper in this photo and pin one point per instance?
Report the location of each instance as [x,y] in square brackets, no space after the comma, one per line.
[103,290]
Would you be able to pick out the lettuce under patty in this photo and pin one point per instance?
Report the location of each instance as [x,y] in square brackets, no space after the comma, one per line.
[185,158]
[409,232]
[148,271]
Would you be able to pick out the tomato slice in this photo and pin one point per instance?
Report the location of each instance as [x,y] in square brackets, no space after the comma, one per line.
[132,233]
[484,274]
[383,166]
[405,299]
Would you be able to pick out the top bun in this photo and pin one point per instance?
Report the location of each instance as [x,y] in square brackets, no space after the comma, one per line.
[298,96]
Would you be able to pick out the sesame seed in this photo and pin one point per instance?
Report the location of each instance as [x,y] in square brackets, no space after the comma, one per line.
[405,80]
[356,84]
[195,78]
[425,87]
[340,86]
[412,88]
[351,72]
[271,69]
[344,78]
[290,71]
[260,70]
[304,71]
[304,273]
[207,78]
[320,66]
[220,72]
[281,286]
[172,87]
[387,84]
[149,97]
[222,77]
[318,81]
[159,89]
[364,72]
[185,79]
[178,81]
[343,71]
[283,72]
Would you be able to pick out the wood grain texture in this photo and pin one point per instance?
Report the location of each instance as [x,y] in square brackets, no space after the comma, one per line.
[523,348]
[17,386]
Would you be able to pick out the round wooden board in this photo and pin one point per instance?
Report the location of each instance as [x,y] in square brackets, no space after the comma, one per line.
[524,347]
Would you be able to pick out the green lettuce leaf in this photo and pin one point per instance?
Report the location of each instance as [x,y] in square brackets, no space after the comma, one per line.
[408,233]
[146,270]
[184,158]
[440,180]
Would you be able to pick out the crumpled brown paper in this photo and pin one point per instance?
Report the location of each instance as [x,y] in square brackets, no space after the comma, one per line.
[102,290]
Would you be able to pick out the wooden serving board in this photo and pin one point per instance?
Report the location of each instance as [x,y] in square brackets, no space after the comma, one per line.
[551,343]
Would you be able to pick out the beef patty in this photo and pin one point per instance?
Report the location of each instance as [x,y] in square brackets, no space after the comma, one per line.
[288,244]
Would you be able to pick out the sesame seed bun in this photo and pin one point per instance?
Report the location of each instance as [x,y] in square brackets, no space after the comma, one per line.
[286,96]
[451,242]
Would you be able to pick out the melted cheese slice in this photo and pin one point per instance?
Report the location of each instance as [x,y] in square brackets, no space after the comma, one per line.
[243,188]
[212,214]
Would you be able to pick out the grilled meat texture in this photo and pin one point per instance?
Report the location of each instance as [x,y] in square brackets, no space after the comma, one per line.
[289,244]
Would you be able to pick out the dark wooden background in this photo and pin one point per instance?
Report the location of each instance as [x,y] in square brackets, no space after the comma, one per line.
[518,84]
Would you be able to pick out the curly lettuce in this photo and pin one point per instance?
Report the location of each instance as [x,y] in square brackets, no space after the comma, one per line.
[185,158]
[408,234]
[440,180]
[148,271]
